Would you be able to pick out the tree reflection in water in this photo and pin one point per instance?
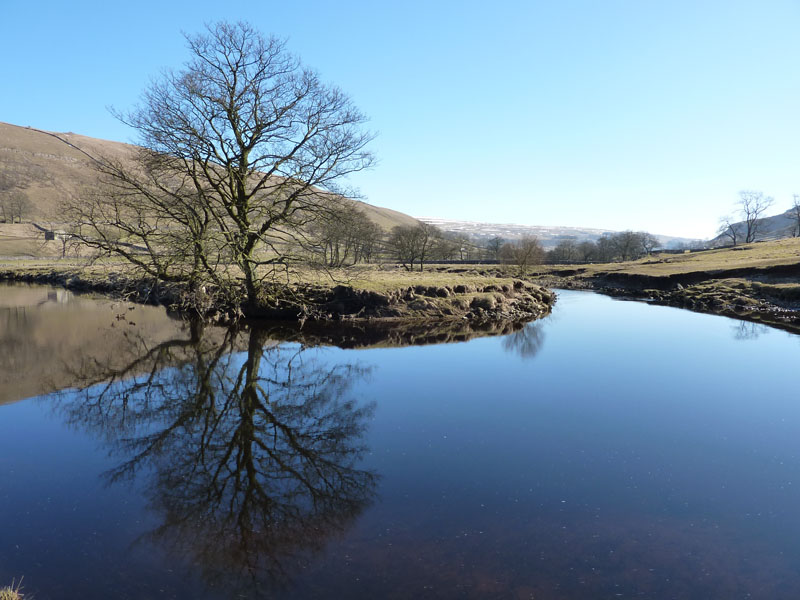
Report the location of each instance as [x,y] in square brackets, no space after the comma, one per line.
[748,330]
[250,458]
[527,341]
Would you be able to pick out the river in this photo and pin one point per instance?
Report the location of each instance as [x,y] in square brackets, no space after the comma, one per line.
[611,450]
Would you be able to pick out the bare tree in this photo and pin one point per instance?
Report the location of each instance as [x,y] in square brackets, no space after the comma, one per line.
[457,245]
[606,248]
[624,245]
[14,204]
[448,246]
[728,229]
[566,251]
[370,237]
[344,234]
[241,150]
[493,247]
[795,213]
[413,244]
[649,242]
[587,250]
[5,210]
[753,205]
[628,245]
[8,186]
[524,253]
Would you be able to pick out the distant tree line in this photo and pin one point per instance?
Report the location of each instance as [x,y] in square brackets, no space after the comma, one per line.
[351,238]
[625,245]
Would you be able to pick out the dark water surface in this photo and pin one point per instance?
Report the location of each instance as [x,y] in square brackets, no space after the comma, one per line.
[612,450]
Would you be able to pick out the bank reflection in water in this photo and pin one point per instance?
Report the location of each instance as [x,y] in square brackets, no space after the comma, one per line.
[250,458]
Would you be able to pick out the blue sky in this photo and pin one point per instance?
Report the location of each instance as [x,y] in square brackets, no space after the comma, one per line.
[619,115]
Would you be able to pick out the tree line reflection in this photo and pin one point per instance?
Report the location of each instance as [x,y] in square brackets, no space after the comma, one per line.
[250,458]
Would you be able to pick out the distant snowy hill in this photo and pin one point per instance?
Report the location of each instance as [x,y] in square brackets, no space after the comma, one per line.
[548,236]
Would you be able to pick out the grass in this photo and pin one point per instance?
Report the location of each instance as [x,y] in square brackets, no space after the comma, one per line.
[12,592]
[373,277]
[385,278]
[393,293]
[758,254]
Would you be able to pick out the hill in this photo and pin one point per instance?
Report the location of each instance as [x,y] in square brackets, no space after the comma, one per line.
[51,167]
[548,236]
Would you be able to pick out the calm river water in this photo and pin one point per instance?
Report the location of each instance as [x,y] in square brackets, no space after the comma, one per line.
[611,450]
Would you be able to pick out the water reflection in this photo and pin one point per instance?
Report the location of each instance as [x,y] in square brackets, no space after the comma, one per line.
[748,330]
[49,337]
[526,342]
[251,459]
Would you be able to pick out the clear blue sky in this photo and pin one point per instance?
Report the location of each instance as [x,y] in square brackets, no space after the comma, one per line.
[620,115]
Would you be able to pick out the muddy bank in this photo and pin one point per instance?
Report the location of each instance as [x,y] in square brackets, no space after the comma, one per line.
[778,273]
[511,301]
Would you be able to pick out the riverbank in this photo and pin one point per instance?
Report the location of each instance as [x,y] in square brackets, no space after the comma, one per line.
[758,282]
[366,294]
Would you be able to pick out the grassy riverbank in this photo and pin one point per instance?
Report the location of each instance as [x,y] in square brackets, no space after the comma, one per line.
[365,293]
[759,282]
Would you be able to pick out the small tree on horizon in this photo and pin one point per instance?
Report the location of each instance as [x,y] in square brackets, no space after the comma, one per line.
[753,205]
[523,253]
[727,228]
[493,247]
[413,244]
[795,212]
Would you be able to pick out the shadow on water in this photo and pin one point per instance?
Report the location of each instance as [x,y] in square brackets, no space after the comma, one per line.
[249,458]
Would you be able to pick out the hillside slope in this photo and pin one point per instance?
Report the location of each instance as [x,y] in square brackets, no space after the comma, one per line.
[52,167]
